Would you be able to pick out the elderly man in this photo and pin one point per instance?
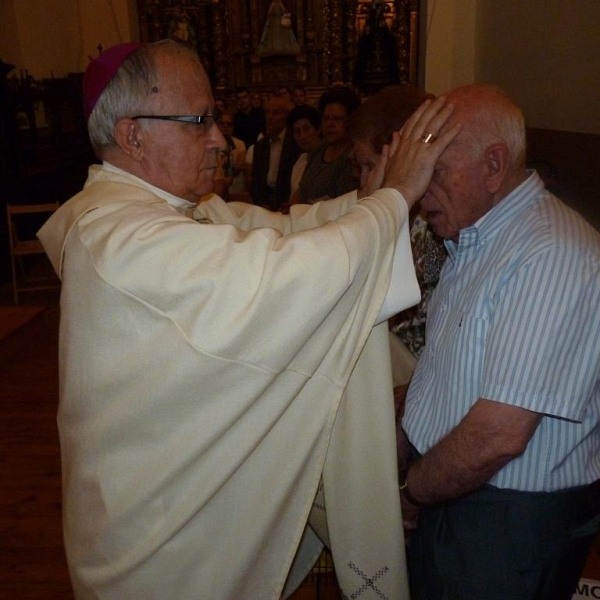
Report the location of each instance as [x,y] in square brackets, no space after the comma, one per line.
[273,158]
[206,365]
[504,405]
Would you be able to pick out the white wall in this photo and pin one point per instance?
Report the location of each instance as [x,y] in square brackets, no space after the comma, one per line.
[449,44]
[544,53]
[10,49]
[56,37]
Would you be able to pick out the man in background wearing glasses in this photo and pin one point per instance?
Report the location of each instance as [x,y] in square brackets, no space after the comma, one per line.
[213,370]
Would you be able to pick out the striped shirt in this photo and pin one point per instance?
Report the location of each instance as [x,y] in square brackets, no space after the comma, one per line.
[515,318]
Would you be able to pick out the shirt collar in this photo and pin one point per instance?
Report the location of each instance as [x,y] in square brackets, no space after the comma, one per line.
[494,221]
[173,200]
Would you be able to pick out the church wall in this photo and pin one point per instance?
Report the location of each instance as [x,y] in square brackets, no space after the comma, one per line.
[54,37]
[10,49]
[47,37]
[449,34]
[544,53]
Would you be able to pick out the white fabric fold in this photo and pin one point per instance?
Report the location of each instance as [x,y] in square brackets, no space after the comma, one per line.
[204,390]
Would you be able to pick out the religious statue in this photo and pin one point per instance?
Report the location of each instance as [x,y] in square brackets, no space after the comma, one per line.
[278,38]
[377,56]
[181,29]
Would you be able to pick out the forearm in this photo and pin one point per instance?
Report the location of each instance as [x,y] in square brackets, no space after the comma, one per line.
[488,438]
[451,469]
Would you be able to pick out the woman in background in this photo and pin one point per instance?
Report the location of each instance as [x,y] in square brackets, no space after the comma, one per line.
[329,171]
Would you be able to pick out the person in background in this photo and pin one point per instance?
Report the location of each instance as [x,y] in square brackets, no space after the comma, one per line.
[248,121]
[285,93]
[273,158]
[304,121]
[186,391]
[371,128]
[503,411]
[220,106]
[299,96]
[329,171]
[256,100]
[232,160]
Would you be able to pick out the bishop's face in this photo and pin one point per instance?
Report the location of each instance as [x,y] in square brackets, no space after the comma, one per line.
[181,158]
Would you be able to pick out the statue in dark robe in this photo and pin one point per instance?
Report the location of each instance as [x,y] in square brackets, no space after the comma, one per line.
[377,55]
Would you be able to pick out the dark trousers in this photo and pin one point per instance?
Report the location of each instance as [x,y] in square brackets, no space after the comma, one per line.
[498,544]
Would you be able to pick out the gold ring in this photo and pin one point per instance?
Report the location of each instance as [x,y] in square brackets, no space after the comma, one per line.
[428,138]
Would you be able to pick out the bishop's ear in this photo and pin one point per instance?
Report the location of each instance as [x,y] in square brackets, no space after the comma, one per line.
[497,163]
[129,138]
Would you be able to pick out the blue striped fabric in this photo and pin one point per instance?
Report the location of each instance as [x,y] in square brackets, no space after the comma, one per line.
[516,319]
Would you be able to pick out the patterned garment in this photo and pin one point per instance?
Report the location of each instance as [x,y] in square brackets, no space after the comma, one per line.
[429,254]
[324,180]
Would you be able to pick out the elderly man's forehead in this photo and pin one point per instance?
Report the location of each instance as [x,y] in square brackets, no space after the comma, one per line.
[461,115]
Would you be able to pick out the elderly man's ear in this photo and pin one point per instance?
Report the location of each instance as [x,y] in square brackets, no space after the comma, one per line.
[129,138]
[496,167]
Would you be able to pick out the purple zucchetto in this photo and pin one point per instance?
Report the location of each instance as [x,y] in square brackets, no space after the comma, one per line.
[101,70]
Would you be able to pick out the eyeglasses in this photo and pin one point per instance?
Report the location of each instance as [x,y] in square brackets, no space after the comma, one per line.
[204,120]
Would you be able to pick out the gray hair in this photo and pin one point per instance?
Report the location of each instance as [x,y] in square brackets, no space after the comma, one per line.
[127,92]
[492,118]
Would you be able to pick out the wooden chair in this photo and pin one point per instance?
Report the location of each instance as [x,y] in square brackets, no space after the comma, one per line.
[30,246]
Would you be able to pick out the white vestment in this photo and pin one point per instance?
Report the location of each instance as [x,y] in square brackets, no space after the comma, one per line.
[202,372]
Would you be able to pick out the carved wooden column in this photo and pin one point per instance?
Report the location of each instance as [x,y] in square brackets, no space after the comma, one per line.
[219,57]
[156,31]
[299,16]
[310,33]
[401,31]
[255,24]
[413,51]
[246,31]
[203,24]
[256,30]
[335,18]
[351,38]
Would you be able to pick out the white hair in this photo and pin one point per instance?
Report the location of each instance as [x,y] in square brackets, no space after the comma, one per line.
[127,92]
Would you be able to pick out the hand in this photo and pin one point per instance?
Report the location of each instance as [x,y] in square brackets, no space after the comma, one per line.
[410,515]
[411,160]
[400,392]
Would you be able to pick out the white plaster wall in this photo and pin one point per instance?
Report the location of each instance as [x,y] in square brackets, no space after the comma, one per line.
[47,44]
[105,23]
[450,44]
[10,48]
[544,53]
[57,37]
